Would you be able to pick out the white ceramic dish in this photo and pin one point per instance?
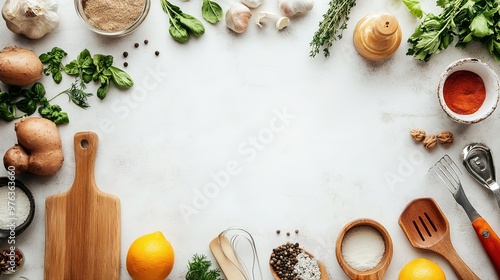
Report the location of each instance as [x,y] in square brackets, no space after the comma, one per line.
[491,83]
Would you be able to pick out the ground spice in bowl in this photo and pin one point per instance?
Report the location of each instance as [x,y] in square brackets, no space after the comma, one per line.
[113,15]
[464,92]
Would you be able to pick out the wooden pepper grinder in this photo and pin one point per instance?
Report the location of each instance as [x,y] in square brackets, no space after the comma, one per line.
[377,36]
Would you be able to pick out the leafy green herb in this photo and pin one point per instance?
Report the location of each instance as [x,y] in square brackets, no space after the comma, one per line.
[211,11]
[199,269]
[331,27]
[181,24]
[469,20]
[27,101]
[54,61]
[98,68]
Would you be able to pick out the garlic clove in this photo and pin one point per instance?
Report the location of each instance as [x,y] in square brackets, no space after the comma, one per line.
[252,3]
[281,22]
[237,17]
[294,7]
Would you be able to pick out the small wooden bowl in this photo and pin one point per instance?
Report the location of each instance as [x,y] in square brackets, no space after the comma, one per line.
[376,273]
[322,269]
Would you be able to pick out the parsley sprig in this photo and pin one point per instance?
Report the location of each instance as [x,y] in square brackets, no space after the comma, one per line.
[468,20]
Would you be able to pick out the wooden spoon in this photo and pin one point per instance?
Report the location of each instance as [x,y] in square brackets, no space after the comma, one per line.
[322,269]
[426,227]
[376,273]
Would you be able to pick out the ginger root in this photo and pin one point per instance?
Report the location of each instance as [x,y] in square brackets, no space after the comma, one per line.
[39,148]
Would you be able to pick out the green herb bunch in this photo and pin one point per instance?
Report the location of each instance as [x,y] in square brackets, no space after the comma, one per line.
[17,103]
[331,27]
[199,269]
[182,24]
[468,20]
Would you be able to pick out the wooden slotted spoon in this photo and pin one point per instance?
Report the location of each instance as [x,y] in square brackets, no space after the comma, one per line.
[426,227]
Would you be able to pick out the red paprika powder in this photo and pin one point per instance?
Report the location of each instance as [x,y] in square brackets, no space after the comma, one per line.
[464,92]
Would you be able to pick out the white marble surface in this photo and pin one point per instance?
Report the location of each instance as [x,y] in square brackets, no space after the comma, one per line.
[330,132]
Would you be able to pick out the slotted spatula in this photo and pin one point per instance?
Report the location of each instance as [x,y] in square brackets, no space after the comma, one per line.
[426,227]
[82,226]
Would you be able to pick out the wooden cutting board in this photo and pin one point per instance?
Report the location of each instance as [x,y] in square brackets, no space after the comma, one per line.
[82,226]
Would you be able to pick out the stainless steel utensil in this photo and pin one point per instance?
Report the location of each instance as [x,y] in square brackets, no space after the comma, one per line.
[478,160]
[448,171]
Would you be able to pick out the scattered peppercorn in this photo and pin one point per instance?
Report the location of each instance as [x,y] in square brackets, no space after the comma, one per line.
[296,231]
[157,53]
[288,234]
[284,258]
[125,64]
[146,42]
[136,45]
[125,54]
[278,231]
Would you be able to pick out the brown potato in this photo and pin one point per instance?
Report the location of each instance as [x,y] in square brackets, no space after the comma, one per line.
[19,66]
[39,150]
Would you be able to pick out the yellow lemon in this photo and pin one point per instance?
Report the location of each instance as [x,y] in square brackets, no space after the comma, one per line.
[150,257]
[421,269]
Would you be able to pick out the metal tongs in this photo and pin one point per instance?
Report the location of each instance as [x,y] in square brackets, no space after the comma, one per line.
[478,161]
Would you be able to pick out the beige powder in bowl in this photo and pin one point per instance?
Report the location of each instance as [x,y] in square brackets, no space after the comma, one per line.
[113,15]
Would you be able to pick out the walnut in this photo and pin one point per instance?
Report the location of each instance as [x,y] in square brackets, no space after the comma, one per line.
[417,134]
[445,137]
[430,142]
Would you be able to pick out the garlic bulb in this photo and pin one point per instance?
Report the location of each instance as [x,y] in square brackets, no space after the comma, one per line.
[31,18]
[237,17]
[252,3]
[293,7]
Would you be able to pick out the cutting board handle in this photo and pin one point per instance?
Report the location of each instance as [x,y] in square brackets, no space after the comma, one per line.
[85,144]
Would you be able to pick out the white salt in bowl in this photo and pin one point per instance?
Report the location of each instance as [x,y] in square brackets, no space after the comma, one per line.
[14,194]
[491,83]
[374,233]
[80,10]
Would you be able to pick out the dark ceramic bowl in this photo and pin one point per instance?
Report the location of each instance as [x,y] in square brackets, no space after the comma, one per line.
[19,186]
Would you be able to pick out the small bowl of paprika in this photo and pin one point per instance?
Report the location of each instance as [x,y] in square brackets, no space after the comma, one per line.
[468,90]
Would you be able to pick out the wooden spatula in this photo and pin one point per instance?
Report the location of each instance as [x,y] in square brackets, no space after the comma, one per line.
[82,226]
[426,227]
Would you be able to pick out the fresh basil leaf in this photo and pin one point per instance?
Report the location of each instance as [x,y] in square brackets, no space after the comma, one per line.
[38,89]
[102,90]
[192,24]
[414,7]
[27,106]
[54,113]
[72,68]
[45,58]
[178,32]
[211,11]
[120,77]
[7,112]
[83,56]
[57,77]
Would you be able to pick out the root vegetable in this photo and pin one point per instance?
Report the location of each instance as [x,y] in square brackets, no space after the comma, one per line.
[39,148]
[19,66]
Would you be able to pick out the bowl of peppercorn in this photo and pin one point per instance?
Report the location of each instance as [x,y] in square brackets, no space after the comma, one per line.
[112,18]
[468,90]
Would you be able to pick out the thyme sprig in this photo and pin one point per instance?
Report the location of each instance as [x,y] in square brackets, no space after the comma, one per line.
[331,27]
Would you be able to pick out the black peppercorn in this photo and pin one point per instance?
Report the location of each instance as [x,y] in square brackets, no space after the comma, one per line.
[125,64]
[125,54]
[157,53]
[136,45]
[146,42]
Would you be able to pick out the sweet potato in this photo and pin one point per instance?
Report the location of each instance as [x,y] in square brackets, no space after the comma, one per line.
[19,66]
[39,148]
